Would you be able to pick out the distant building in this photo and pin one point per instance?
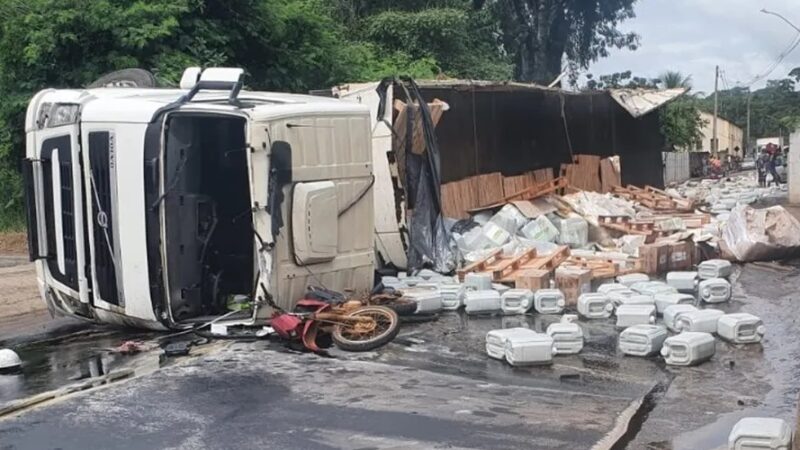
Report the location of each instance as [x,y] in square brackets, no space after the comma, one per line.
[729,135]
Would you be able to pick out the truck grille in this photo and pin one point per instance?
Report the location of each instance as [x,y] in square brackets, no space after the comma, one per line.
[102,220]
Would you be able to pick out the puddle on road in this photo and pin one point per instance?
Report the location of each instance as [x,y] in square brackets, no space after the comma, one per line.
[53,364]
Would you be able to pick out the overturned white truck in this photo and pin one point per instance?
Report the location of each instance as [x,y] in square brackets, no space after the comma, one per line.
[158,207]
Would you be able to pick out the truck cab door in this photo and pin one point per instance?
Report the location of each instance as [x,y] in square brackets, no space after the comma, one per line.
[54,180]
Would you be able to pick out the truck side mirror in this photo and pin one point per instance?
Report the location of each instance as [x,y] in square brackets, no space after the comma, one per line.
[280,174]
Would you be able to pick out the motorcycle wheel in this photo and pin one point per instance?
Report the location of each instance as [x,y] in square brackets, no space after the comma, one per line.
[356,338]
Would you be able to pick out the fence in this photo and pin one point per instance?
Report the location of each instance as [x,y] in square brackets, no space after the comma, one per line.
[676,167]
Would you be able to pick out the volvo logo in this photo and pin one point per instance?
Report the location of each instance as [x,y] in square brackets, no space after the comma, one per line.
[102,219]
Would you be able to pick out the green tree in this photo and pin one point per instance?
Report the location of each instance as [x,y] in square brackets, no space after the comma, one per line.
[672,80]
[291,45]
[541,34]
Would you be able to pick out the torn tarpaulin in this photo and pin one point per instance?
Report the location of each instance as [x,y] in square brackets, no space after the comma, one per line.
[429,239]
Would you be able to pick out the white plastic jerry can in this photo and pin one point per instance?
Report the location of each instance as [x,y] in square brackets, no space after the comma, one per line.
[665,300]
[529,349]
[714,290]
[651,287]
[427,274]
[567,338]
[688,348]
[642,340]
[630,315]
[478,302]
[496,340]
[757,433]
[682,281]
[618,297]
[672,313]
[478,281]
[741,328]
[549,301]
[595,306]
[637,299]
[427,300]
[516,301]
[702,320]
[392,282]
[452,296]
[630,278]
[611,287]
[714,268]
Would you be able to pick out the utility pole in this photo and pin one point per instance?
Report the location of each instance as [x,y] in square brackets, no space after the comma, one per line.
[747,139]
[714,141]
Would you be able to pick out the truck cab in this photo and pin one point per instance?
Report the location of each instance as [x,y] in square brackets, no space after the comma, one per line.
[161,208]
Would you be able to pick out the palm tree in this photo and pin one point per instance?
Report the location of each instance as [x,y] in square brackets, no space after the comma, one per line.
[674,79]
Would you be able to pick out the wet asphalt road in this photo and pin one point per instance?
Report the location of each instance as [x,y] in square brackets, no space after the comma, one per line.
[435,388]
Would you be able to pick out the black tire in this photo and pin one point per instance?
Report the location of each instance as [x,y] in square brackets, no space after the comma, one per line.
[390,324]
[420,318]
[132,78]
[402,307]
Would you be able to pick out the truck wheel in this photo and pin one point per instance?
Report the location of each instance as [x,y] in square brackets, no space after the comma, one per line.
[128,78]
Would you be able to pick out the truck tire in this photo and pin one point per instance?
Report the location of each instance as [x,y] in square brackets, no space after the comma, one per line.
[129,78]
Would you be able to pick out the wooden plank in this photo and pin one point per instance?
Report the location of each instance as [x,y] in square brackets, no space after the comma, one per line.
[517,183]
[609,175]
[531,193]
[481,265]
[501,271]
[542,175]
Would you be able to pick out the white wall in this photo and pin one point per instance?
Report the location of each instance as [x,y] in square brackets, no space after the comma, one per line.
[793,168]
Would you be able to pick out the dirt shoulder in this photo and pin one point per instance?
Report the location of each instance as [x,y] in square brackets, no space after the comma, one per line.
[13,243]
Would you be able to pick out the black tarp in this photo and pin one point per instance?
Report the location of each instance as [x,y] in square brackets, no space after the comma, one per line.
[494,128]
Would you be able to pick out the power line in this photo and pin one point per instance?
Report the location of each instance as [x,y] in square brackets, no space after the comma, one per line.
[789,49]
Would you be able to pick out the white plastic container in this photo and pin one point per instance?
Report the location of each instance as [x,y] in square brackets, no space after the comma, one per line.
[495,234]
[682,281]
[629,279]
[618,297]
[427,274]
[480,302]
[759,433]
[630,315]
[391,282]
[496,340]
[671,314]
[741,328]
[702,320]
[688,348]
[501,288]
[714,268]
[714,290]
[452,296]
[540,229]
[637,299]
[642,340]
[595,306]
[516,301]
[525,350]
[652,288]
[663,301]
[567,338]
[549,301]
[478,281]
[412,281]
[427,300]
[611,287]
[574,232]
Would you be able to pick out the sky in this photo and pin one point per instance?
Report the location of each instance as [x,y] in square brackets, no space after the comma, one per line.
[693,36]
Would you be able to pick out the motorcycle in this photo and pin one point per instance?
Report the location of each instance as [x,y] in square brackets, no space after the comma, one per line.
[350,325]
